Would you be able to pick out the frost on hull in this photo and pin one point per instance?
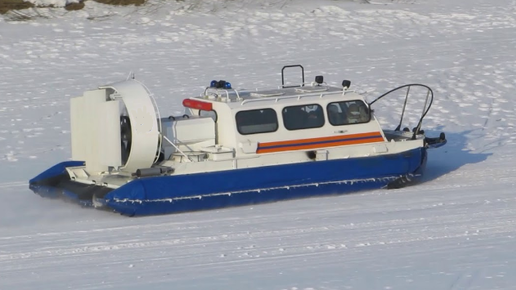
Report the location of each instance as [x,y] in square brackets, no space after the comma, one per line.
[231,148]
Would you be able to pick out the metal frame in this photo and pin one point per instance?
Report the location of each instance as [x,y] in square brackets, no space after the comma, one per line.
[429,97]
[302,76]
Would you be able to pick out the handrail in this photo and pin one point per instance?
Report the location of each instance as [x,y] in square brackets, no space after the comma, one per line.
[429,96]
[283,75]
[177,148]
[298,96]
[221,90]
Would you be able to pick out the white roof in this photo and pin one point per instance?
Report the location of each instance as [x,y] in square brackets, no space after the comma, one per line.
[260,98]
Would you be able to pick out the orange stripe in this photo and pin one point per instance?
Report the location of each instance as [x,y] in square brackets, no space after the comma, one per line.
[321,139]
[314,146]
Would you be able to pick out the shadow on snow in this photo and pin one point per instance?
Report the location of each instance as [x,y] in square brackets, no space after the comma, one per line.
[451,156]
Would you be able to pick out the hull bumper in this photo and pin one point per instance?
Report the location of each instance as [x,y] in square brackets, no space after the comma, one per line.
[204,191]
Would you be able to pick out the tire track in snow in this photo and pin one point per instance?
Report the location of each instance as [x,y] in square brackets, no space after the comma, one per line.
[13,184]
[426,228]
[262,248]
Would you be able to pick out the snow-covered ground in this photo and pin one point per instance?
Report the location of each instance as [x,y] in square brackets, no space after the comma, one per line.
[455,231]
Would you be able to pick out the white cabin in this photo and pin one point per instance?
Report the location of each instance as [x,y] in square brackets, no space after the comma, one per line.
[286,119]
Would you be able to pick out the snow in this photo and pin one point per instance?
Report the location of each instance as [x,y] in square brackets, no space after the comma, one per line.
[455,231]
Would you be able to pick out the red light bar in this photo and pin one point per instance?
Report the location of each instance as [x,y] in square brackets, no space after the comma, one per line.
[195,104]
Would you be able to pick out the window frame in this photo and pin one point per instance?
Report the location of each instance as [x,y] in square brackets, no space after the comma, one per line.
[348,101]
[259,132]
[321,108]
[215,112]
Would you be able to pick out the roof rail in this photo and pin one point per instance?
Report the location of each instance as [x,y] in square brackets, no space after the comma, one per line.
[217,92]
[298,97]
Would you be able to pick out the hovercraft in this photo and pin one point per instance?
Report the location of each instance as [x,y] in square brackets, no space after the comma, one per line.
[232,147]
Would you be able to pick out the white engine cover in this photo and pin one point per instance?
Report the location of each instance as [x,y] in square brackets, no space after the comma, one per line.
[95,130]
[189,134]
[95,126]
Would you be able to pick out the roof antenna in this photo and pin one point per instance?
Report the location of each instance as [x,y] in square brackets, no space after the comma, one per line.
[130,76]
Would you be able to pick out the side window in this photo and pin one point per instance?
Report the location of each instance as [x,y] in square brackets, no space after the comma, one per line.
[348,112]
[211,114]
[303,117]
[256,121]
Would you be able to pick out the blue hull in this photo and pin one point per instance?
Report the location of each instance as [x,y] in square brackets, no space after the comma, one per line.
[203,191]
